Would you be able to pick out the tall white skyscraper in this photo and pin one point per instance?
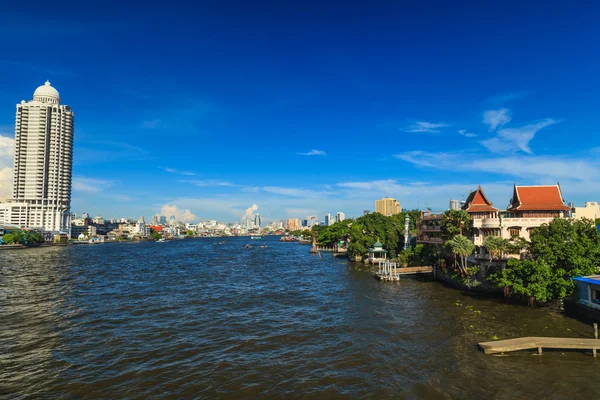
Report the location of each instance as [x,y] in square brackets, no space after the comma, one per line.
[42,164]
[340,217]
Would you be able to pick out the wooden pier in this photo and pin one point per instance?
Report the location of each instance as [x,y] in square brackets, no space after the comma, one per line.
[391,271]
[540,343]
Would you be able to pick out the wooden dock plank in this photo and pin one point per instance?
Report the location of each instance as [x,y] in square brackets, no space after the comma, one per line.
[533,342]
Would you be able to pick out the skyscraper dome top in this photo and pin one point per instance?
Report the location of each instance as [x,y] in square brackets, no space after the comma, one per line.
[46,94]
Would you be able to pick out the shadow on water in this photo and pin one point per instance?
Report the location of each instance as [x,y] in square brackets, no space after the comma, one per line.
[199,319]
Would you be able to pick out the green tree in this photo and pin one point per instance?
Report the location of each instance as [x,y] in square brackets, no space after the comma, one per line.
[34,237]
[15,237]
[154,234]
[462,247]
[530,278]
[455,222]
[557,252]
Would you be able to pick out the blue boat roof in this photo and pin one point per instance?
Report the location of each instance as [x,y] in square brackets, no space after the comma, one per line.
[593,279]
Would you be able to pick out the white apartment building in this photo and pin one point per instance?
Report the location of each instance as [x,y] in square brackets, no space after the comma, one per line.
[41,196]
[340,216]
[591,210]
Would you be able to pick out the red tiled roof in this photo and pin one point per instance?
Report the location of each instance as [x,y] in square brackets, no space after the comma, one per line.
[477,202]
[538,198]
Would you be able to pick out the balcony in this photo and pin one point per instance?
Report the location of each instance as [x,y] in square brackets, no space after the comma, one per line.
[429,239]
[430,228]
[507,222]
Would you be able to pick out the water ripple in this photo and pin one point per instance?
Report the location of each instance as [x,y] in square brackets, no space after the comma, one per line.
[195,319]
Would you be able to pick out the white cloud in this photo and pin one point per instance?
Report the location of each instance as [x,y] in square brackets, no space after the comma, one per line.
[428,127]
[294,192]
[89,185]
[496,118]
[7,146]
[464,133]
[529,167]
[516,139]
[313,152]
[249,213]
[384,186]
[176,171]
[207,182]
[180,215]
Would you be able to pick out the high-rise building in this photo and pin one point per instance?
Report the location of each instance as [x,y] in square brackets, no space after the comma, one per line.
[388,206]
[454,205]
[43,161]
[328,220]
[340,216]
[292,224]
[257,221]
[155,220]
[162,220]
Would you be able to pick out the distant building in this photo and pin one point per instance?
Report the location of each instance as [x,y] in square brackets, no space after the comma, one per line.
[155,220]
[430,231]
[454,205]
[162,220]
[305,222]
[43,161]
[591,210]
[366,212]
[257,221]
[388,206]
[327,220]
[293,225]
[340,216]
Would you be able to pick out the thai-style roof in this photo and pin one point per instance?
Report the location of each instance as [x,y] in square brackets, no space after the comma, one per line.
[537,198]
[478,202]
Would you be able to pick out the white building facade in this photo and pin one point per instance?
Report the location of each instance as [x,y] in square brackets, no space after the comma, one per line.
[43,160]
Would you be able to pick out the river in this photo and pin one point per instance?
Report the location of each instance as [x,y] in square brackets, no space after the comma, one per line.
[197,319]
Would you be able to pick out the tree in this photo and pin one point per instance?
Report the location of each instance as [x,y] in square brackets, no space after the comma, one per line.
[455,222]
[557,252]
[154,234]
[462,247]
[530,278]
[34,237]
[15,237]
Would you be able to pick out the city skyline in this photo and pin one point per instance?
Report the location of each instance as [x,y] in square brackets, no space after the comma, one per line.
[152,116]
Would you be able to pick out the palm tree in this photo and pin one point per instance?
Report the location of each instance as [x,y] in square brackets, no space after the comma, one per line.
[492,244]
[462,247]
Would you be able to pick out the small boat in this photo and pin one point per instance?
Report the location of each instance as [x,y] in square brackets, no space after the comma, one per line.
[161,240]
[256,237]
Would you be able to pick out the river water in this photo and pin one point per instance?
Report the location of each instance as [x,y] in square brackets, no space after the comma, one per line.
[196,319]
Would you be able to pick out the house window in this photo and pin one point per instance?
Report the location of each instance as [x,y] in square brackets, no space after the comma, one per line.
[514,232]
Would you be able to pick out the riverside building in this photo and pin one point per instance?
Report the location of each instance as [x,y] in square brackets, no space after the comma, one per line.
[41,195]
[388,206]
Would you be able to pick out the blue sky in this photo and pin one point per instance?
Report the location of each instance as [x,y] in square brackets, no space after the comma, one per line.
[310,107]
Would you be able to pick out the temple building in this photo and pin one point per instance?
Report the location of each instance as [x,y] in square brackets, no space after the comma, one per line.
[530,207]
